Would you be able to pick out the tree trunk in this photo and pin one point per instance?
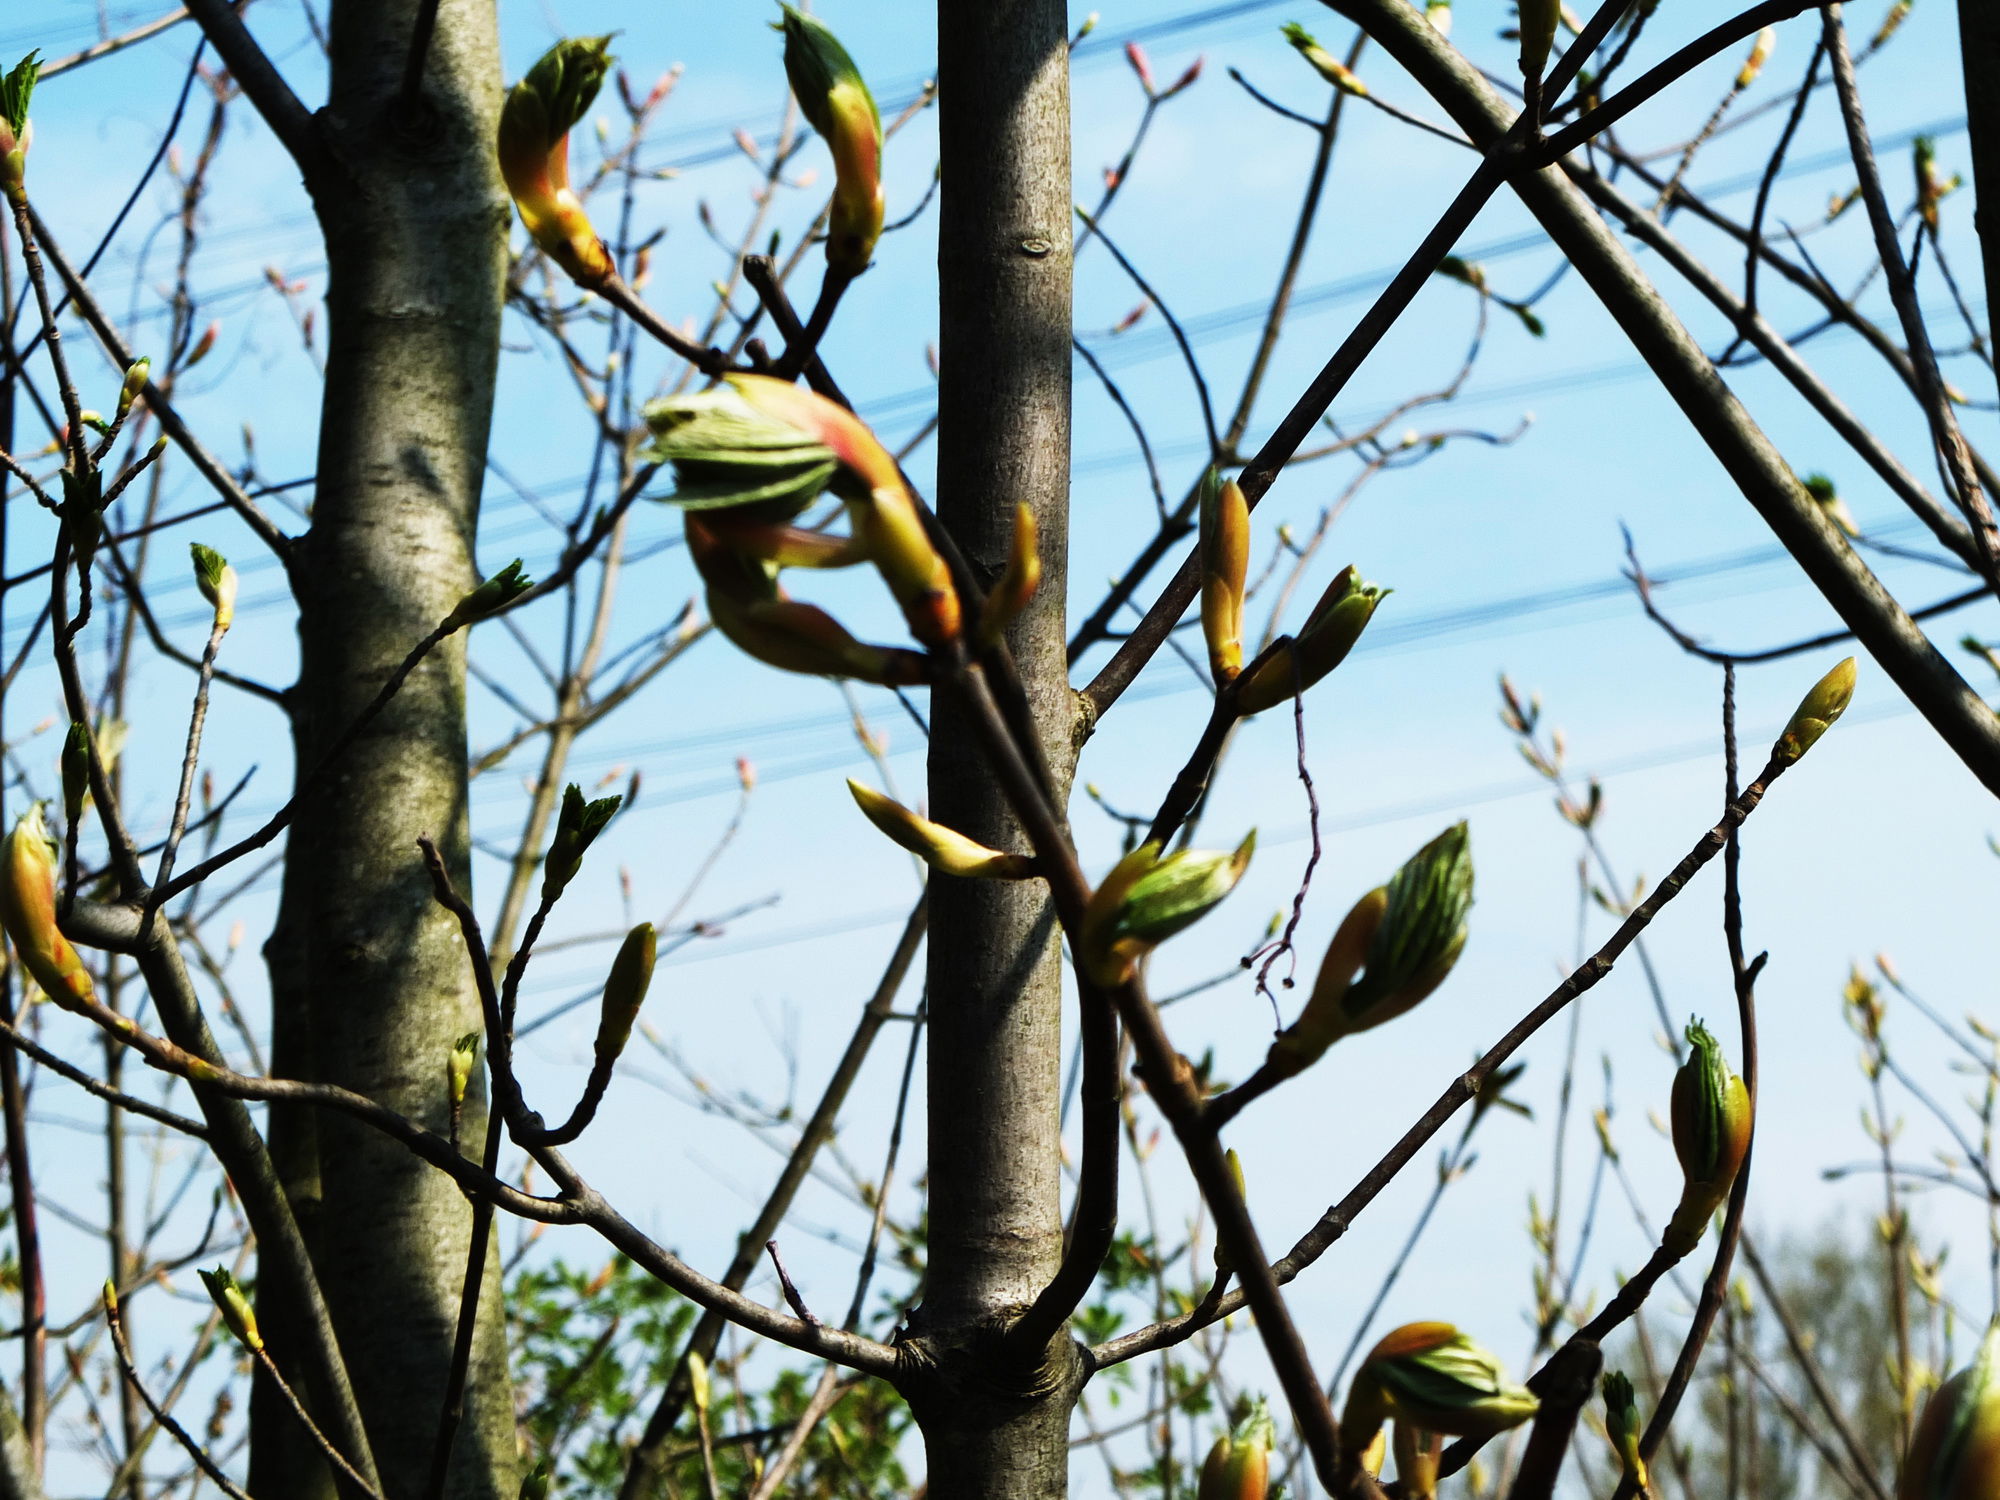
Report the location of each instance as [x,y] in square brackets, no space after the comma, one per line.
[371,983]
[995,1045]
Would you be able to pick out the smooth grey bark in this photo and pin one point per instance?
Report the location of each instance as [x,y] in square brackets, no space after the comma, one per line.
[994,1428]
[371,983]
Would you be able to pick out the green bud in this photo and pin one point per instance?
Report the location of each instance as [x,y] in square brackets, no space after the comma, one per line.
[1235,1162]
[1324,63]
[725,452]
[463,1058]
[1955,1449]
[217,582]
[492,596]
[835,99]
[1816,712]
[1621,1426]
[577,826]
[16,89]
[1146,899]
[625,990]
[1432,1376]
[535,1483]
[75,772]
[1711,1124]
[135,382]
[234,1307]
[1330,632]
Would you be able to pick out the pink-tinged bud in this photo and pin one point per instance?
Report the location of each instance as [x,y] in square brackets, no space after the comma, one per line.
[1324,63]
[1015,586]
[1955,1450]
[534,155]
[884,519]
[835,98]
[16,133]
[939,847]
[746,774]
[1225,563]
[203,346]
[28,912]
[1187,80]
[1141,65]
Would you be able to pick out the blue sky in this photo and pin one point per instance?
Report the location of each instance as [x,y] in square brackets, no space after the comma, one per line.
[1503,559]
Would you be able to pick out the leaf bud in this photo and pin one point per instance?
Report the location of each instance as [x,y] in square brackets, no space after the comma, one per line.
[459,1063]
[234,1306]
[1146,899]
[1432,1376]
[535,123]
[1622,1427]
[28,912]
[625,990]
[833,95]
[1815,714]
[1225,563]
[490,597]
[17,87]
[1438,13]
[217,582]
[1235,1164]
[1238,1467]
[1016,585]
[1955,1449]
[1330,632]
[1538,35]
[938,846]
[1402,939]
[1711,1129]
[1827,498]
[577,826]
[75,772]
[135,382]
[1760,53]
[1323,62]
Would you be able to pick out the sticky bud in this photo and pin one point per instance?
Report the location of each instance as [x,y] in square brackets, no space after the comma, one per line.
[725,452]
[492,596]
[1238,1467]
[1323,62]
[1017,583]
[534,155]
[28,912]
[1402,939]
[835,99]
[1711,1127]
[17,87]
[1760,53]
[577,826]
[135,382]
[1330,632]
[459,1063]
[75,772]
[1955,1449]
[1621,1426]
[1434,1377]
[1146,899]
[939,847]
[1815,714]
[217,582]
[235,1308]
[1225,563]
[625,990]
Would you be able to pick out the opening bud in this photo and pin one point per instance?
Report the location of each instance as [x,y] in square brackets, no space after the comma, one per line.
[577,826]
[1955,1450]
[1238,1467]
[492,596]
[726,452]
[217,582]
[534,154]
[1225,563]
[1711,1125]
[625,991]
[459,1063]
[1330,632]
[835,99]
[1815,714]
[135,382]
[1146,899]
[1016,585]
[28,912]
[1324,63]
[1622,1427]
[235,1308]
[1431,1376]
[938,846]
[1402,938]
[17,87]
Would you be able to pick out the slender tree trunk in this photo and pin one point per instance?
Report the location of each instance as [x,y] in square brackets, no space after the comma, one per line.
[371,984]
[1979,48]
[995,1043]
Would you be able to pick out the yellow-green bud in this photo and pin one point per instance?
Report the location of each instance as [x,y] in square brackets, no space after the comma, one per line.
[835,98]
[534,154]
[1622,1427]
[135,382]
[698,1390]
[1146,899]
[1760,53]
[1402,939]
[28,912]
[1331,630]
[1238,1467]
[577,826]
[459,1063]
[1324,63]
[492,596]
[217,582]
[1225,563]
[17,87]
[1815,714]
[625,990]
[235,1308]
[1538,35]
[1017,583]
[1434,1377]
[1711,1123]
[1955,1449]
[1235,1162]
[939,847]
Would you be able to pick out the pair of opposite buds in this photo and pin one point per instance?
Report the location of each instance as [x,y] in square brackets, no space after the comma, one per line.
[1298,662]
[558,90]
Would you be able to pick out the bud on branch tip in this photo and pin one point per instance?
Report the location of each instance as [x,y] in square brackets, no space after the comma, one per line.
[535,123]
